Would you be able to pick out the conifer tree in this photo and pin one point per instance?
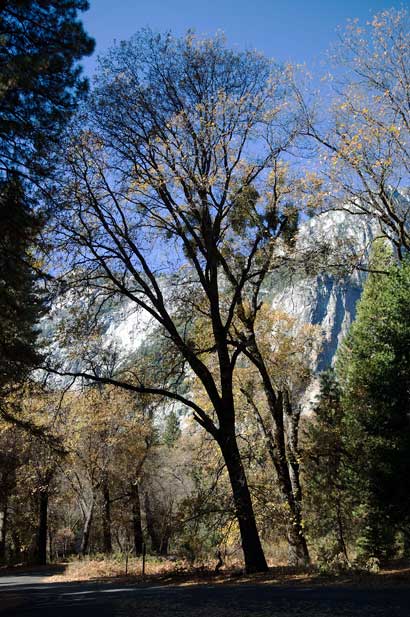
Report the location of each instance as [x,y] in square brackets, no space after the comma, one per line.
[328,500]
[374,372]
[20,303]
[40,79]
[40,85]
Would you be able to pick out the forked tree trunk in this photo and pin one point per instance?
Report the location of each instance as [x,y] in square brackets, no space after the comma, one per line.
[41,544]
[283,452]
[285,460]
[252,549]
[298,553]
[136,518]
[287,469]
[87,530]
[298,549]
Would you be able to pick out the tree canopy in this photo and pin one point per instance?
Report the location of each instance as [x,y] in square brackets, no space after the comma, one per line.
[40,78]
[374,373]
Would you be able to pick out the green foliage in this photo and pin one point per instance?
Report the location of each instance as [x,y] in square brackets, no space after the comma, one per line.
[172,429]
[374,373]
[20,302]
[358,445]
[244,213]
[290,224]
[41,42]
[328,501]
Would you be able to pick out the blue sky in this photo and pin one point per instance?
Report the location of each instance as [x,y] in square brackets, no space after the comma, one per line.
[295,30]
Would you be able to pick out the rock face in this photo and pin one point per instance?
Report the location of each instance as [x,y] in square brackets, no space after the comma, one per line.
[325,299]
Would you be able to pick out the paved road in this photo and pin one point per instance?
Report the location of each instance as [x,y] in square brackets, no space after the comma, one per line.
[33,596]
[29,577]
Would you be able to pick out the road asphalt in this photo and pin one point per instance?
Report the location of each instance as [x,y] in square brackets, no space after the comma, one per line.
[31,594]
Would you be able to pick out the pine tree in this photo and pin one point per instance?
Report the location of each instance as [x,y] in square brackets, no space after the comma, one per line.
[20,302]
[40,80]
[374,372]
[41,42]
[328,499]
[172,429]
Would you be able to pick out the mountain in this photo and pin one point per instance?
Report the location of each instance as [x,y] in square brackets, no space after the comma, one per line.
[326,296]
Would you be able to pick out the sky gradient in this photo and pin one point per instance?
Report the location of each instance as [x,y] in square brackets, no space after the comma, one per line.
[287,30]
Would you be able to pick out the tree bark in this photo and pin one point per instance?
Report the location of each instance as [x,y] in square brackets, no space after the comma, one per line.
[285,461]
[107,538]
[136,519]
[3,530]
[41,545]
[158,528]
[284,453]
[17,548]
[50,544]
[86,530]
[152,527]
[287,469]
[298,549]
[251,545]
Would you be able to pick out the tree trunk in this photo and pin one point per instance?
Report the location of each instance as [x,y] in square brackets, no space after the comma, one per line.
[50,545]
[3,531]
[106,522]
[289,486]
[136,518]
[340,530]
[251,545]
[298,554]
[152,527]
[41,545]
[285,462]
[298,549]
[284,453]
[163,547]
[158,527]
[17,549]
[86,531]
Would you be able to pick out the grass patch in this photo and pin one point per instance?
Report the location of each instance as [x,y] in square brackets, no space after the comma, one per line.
[167,572]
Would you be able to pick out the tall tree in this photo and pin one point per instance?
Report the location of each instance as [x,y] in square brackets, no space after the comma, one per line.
[171,206]
[374,373]
[281,351]
[40,85]
[20,303]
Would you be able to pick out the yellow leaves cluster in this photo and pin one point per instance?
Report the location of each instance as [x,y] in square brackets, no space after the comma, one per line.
[101,420]
[312,192]
[287,346]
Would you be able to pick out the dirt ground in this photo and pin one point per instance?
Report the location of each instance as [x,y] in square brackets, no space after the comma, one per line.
[166,572]
[87,591]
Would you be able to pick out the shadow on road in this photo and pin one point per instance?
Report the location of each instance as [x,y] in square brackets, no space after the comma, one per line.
[23,575]
[40,598]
